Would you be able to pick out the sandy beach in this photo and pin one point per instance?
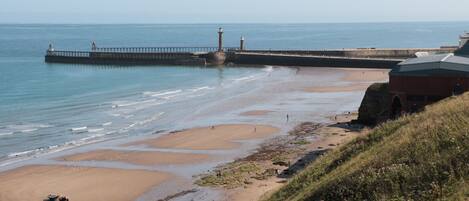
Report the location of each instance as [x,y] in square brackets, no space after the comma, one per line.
[138,157]
[211,138]
[326,137]
[353,80]
[187,155]
[370,75]
[77,183]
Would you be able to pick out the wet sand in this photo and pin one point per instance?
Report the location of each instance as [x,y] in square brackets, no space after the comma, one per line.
[367,75]
[256,113]
[138,157]
[77,183]
[211,138]
[344,88]
[355,80]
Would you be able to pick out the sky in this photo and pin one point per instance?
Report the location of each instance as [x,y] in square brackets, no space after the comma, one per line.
[230,11]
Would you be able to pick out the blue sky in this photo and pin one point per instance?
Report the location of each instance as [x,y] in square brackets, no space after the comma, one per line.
[230,11]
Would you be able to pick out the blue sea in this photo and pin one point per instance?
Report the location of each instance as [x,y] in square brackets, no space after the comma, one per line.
[49,107]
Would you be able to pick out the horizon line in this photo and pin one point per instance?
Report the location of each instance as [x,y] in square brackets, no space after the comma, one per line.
[226,23]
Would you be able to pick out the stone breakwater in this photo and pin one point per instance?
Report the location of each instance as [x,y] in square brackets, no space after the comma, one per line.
[356,58]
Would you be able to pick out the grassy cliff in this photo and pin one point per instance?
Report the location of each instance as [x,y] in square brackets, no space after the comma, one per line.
[423,156]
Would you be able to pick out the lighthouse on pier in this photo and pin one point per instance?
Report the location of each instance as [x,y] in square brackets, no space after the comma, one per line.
[220,39]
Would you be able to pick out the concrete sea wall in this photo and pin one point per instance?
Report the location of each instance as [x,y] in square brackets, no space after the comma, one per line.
[402,53]
[312,61]
[106,58]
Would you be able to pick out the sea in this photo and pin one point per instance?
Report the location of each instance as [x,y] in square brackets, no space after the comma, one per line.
[51,107]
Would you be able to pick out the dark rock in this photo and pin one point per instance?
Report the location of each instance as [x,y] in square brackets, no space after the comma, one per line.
[374,106]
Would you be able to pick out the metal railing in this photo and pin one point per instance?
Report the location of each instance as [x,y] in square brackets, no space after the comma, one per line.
[66,53]
[61,53]
[161,49]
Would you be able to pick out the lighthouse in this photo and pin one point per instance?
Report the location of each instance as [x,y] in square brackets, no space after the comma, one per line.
[220,39]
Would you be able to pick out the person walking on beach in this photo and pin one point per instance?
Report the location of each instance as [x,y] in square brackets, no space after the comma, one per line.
[288,117]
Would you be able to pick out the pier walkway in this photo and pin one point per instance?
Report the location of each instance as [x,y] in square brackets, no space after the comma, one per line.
[285,59]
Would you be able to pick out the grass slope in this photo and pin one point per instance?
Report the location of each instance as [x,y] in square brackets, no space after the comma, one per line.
[423,156]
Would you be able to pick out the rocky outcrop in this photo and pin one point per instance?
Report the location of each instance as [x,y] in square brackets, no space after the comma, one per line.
[375,104]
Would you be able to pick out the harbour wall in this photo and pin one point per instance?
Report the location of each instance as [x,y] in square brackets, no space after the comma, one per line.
[247,58]
[354,58]
[399,53]
[119,58]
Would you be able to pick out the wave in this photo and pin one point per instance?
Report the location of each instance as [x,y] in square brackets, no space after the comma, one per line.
[95,130]
[119,104]
[154,118]
[158,94]
[23,153]
[246,78]
[52,149]
[106,124]
[22,128]
[130,103]
[201,88]
[6,133]
[29,130]
[143,122]
[79,129]
[268,69]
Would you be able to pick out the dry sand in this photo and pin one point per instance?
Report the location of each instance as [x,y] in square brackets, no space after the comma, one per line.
[256,113]
[256,191]
[138,157]
[208,138]
[77,183]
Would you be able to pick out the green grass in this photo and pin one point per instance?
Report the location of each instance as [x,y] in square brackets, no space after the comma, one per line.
[233,175]
[301,142]
[423,156]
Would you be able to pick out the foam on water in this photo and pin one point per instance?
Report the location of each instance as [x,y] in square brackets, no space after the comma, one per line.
[162,93]
[22,128]
[79,129]
[201,88]
[7,133]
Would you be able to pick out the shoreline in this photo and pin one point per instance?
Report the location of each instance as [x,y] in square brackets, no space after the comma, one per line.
[279,159]
[201,147]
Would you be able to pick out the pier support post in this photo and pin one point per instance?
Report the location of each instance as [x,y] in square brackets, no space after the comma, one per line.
[220,39]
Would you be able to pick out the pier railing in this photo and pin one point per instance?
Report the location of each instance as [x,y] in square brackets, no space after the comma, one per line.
[161,49]
[64,53]
[61,53]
